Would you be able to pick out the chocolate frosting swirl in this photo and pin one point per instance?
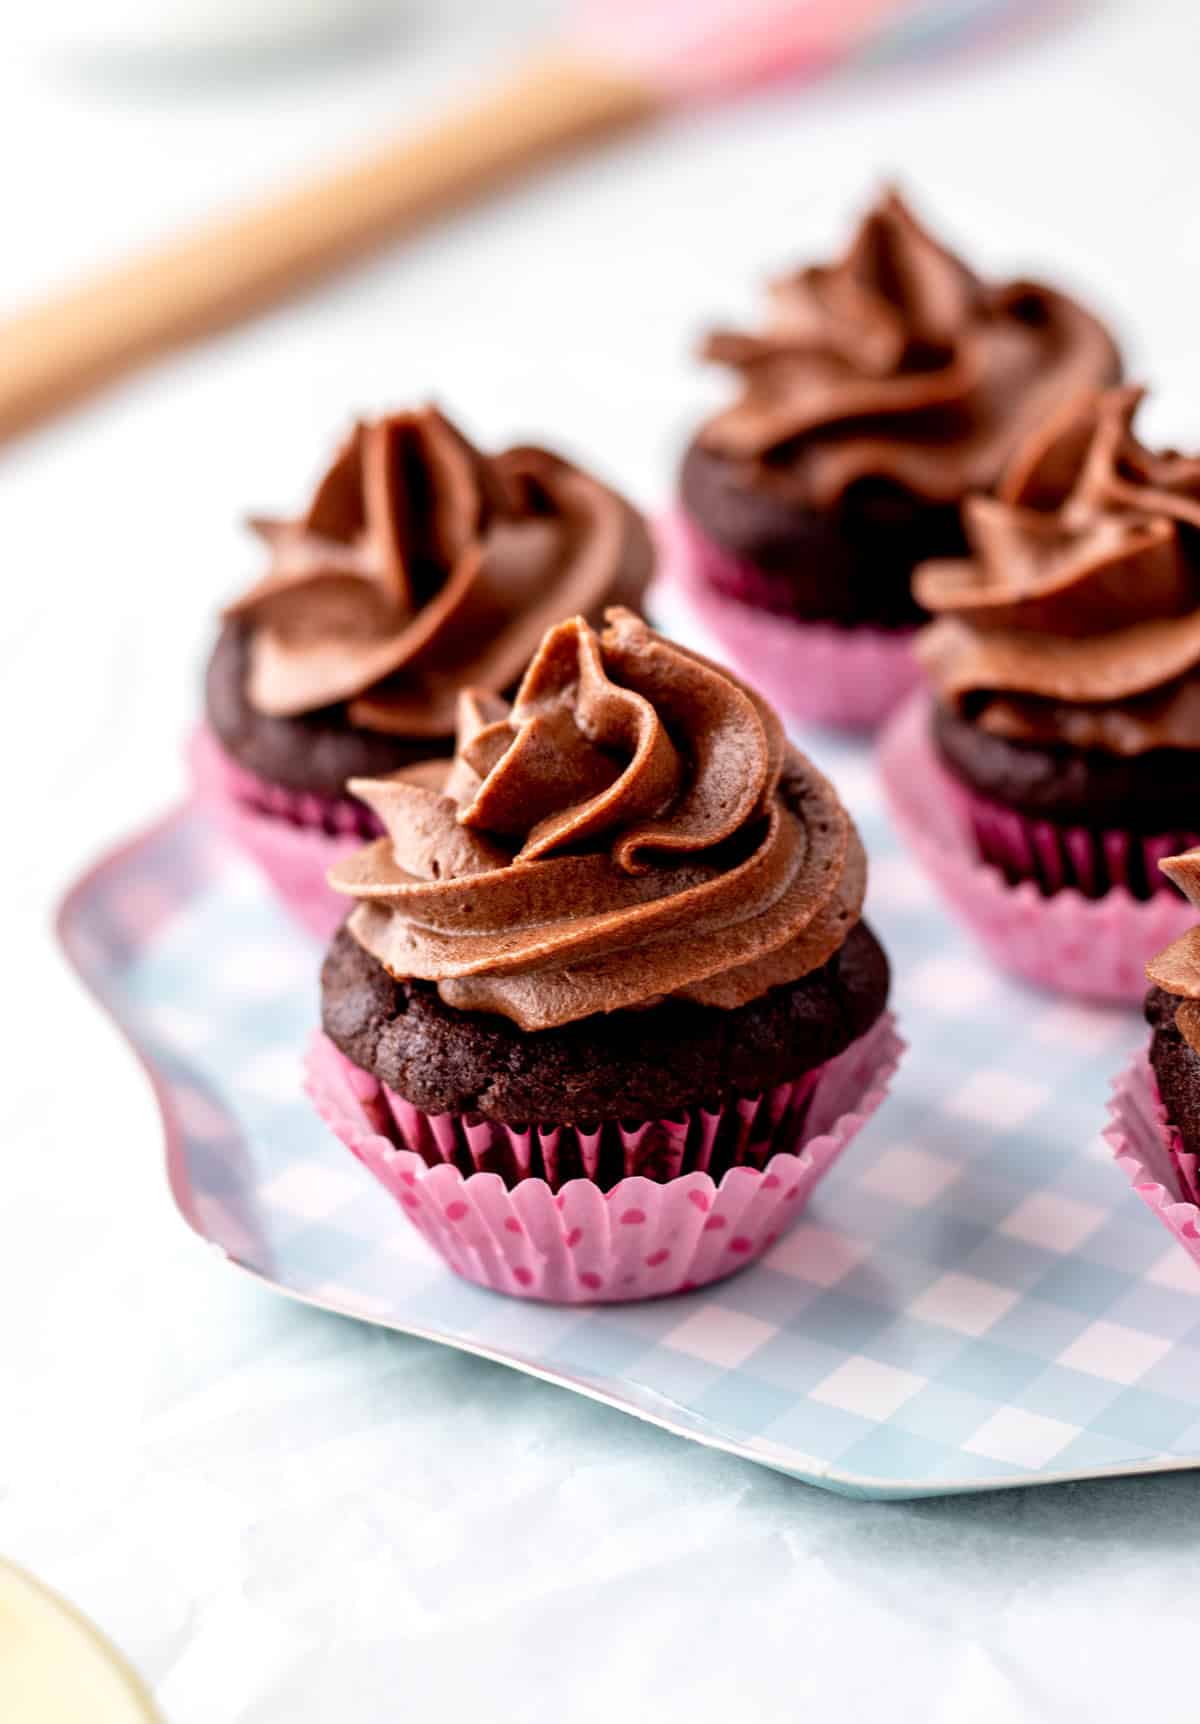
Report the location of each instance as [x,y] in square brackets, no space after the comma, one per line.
[422,565]
[1078,620]
[1177,969]
[633,826]
[897,364]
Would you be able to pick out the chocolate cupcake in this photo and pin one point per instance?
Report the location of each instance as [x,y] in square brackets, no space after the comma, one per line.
[1172,1010]
[604,1006]
[1065,666]
[1155,1110]
[420,565]
[885,389]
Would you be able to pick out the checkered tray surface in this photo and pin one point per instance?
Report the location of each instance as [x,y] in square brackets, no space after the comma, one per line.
[973,1298]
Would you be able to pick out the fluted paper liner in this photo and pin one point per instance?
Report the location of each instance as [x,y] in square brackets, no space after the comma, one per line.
[1057,857]
[1150,1153]
[583,1245]
[1096,948]
[813,672]
[293,837]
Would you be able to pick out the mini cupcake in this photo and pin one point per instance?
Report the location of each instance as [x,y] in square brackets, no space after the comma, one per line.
[1063,742]
[420,565]
[604,1008]
[1155,1129]
[885,388]
[1173,1012]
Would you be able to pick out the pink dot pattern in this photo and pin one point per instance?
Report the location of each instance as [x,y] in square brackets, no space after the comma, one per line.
[642,1238]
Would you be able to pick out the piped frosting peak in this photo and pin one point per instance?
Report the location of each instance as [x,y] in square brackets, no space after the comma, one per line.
[1078,619]
[633,826]
[898,364]
[421,564]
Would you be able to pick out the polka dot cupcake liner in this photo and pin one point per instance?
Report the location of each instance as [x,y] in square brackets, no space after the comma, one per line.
[292,836]
[815,673]
[1150,1153]
[1045,930]
[640,1238]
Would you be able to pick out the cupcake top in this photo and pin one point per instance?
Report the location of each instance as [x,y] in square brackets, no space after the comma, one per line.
[422,565]
[1177,969]
[633,826]
[898,364]
[1076,621]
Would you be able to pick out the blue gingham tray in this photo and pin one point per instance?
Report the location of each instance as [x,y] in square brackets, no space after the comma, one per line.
[973,1298]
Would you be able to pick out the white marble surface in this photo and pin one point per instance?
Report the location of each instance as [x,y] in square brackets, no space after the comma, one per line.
[283,1516]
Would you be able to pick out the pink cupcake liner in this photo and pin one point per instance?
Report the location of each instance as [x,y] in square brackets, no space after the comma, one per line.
[1096,948]
[638,1240]
[1150,1153]
[292,836]
[1056,857]
[1187,1168]
[743,1134]
[812,672]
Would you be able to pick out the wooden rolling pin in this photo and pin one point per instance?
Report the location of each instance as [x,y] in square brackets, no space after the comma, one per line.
[634,59]
[55,354]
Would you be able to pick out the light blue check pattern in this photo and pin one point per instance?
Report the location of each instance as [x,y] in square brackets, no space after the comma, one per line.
[973,1297]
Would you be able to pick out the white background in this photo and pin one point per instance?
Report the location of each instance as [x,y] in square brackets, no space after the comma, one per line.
[283,1517]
